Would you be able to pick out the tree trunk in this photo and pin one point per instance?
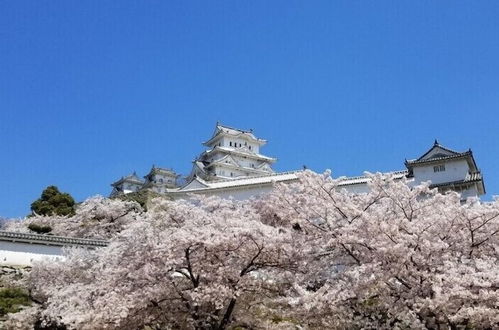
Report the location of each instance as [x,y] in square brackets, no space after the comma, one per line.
[228,314]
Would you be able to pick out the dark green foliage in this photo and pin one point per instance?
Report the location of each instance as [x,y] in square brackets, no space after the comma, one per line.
[40,229]
[53,202]
[12,299]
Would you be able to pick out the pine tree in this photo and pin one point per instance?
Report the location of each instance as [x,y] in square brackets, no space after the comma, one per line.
[53,202]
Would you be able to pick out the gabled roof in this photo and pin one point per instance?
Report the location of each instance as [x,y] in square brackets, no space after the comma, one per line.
[223,130]
[195,183]
[437,150]
[264,167]
[227,159]
[232,130]
[132,178]
[241,152]
[439,153]
[250,171]
[159,170]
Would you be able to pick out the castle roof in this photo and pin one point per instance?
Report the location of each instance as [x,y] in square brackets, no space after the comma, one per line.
[438,153]
[202,185]
[363,179]
[232,164]
[132,178]
[223,130]
[50,239]
[470,178]
[159,170]
[241,152]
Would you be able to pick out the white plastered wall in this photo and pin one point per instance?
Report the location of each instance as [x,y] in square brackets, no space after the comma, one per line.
[23,254]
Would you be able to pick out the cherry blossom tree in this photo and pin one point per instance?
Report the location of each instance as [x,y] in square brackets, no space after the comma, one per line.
[396,257]
[308,255]
[204,266]
[97,217]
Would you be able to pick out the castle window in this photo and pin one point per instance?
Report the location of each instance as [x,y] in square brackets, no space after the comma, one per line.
[161,180]
[230,143]
[231,174]
[249,147]
[439,168]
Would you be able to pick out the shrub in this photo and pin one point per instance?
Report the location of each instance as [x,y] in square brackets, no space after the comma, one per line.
[12,299]
[39,229]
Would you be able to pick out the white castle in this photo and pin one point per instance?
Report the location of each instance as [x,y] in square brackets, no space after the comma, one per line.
[233,167]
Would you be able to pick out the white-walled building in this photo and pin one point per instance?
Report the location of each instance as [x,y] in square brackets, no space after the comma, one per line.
[444,168]
[127,184]
[240,189]
[447,169]
[22,249]
[160,180]
[232,153]
[233,166]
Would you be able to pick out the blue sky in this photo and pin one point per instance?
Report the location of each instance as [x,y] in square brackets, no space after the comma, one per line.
[93,90]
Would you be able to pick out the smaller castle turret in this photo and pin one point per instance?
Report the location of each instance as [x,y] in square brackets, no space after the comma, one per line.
[160,179]
[127,184]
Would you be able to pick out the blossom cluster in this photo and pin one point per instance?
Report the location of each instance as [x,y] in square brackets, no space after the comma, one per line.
[308,255]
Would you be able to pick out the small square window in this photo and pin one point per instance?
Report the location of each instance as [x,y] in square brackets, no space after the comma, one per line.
[439,168]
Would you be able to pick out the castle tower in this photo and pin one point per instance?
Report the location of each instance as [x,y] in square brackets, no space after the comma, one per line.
[232,153]
[127,184]
[160,179]
[447,170]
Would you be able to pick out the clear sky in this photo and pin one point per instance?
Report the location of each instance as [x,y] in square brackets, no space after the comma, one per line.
[93,90]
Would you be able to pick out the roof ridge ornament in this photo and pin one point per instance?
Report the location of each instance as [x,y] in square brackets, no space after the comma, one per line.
[436,142]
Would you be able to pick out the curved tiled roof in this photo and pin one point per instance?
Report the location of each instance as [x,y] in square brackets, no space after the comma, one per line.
[438,145]
[236,132]
[348,181]
[129,178]
[438,159]
[50,239]
[245,181]
[471,177]
[241,153]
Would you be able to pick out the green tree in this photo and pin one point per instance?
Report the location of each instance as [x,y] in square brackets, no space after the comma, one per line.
[11,300]
[53,202]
